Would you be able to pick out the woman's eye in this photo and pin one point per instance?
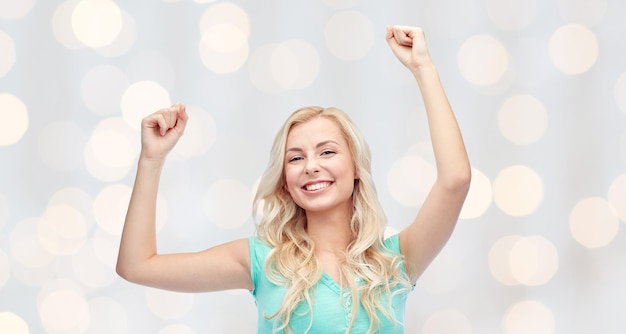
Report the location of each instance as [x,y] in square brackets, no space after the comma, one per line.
[292,159]
[328,152]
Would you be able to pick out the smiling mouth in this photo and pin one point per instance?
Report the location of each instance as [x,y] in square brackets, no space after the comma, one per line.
[316,186]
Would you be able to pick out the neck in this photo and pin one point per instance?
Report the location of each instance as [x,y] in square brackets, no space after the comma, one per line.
[330,231]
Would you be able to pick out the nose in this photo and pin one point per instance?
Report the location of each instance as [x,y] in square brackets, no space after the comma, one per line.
[311,166]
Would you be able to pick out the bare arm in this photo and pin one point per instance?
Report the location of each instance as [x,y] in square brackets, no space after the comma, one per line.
[222,267]
[421,241]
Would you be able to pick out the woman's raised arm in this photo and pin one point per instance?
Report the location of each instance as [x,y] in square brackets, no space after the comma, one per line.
[421,241]
[218,268]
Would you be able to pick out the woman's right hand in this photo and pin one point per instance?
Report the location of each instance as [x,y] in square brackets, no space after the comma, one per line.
[161,130]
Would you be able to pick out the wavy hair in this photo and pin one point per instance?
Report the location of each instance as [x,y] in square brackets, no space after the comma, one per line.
[292,262]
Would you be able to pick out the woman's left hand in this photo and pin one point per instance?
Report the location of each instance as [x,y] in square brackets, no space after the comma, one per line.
[409,45]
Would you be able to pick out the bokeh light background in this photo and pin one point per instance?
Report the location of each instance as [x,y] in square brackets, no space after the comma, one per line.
[539,88]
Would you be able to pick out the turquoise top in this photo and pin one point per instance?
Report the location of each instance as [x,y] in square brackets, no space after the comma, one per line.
[332,308]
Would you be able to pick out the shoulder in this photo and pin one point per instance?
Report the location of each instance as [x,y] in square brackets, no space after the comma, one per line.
[258,253]
[258,246]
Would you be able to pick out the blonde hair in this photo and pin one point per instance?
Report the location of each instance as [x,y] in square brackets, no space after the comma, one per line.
[292,262]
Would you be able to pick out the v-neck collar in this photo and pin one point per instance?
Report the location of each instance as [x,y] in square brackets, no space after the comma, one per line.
[334,286]
[330,283]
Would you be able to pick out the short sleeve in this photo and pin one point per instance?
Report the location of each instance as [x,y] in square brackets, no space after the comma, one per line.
[393,243]
[258,253]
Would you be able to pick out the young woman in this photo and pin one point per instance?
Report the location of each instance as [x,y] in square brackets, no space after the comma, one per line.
[319,263]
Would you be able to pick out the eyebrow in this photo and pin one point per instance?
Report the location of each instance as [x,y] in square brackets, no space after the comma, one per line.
[325,142]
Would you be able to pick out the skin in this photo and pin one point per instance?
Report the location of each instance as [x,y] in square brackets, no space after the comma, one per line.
[227,266]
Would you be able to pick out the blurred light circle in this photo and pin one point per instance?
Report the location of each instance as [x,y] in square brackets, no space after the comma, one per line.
[107,316]
[617,196]
[64,310]
[141,99]
[409,180]
[518,190]
[25,246]
[522,119]
[89,270]
[424,150]
[500,261]
[447,321]
[200,134]
[349,35]
[106,247]
[223,48]
[582,11]
[111,150]
[110,208]
[573,49]
[7,56]
[34,277]
[529,316]
[260,70]
[61,144]
[62,230]
[228,203]
[225,13]
[14,117]
[619,92]
[533,260]
[169,305]
[102,88]
[111,205]
[479,197]
[100,171]
[14,10]
[593,222]
[62,25]
[124,40]
[96,23]
[75,197]
[512,15]
[13,323]
[294,64]
[483,60]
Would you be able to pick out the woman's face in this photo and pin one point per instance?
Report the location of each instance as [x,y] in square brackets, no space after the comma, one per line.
[319,168]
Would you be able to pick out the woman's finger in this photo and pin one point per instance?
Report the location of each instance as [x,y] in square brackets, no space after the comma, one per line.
[163,126]
[164,119]
[403,35]
[181,118]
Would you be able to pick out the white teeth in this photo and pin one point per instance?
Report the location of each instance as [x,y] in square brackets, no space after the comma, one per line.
[317,186]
